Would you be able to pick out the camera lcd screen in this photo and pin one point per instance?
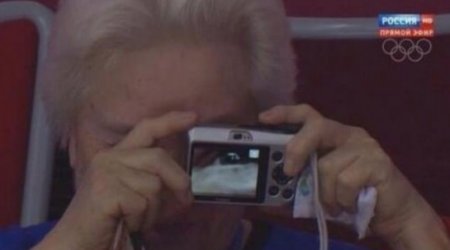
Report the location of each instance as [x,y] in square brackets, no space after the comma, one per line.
[221,171]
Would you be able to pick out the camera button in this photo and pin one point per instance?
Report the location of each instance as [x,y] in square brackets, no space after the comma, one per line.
[288,194]
[274,190]
[279,176]
[277,156]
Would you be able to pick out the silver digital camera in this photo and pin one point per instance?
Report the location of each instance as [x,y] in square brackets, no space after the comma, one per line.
[240,165]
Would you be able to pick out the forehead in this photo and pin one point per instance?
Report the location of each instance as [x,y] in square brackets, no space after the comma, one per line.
[210,80]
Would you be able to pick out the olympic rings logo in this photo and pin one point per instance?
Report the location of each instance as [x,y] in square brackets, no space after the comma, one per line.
[404,49]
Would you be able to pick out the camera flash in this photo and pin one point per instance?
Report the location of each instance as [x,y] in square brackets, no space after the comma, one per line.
[253,154]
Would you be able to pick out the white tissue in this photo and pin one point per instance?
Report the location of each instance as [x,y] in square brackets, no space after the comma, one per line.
[304,205]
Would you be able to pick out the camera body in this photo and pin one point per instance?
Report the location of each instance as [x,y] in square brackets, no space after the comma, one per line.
[240,165]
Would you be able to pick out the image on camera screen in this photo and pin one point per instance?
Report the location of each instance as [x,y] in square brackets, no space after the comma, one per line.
[226,171]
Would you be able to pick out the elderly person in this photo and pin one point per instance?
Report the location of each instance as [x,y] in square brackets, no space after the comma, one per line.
[125,79]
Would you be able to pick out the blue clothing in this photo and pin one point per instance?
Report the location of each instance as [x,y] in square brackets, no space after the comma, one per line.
[278,238]
[16,238]
[281,238]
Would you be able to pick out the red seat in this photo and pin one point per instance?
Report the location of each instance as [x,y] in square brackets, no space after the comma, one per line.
[17,55]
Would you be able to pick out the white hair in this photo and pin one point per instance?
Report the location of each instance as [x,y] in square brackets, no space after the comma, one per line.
[87,31]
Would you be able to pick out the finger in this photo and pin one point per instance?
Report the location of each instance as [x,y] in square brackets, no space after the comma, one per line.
[143,183]
[301,146]
[157,161]
[332,134]
[148,187]
[329,168]
[132,207]
[151,214]
[289,114]
[125,193]
[313,136]
[350,182]
[149,130]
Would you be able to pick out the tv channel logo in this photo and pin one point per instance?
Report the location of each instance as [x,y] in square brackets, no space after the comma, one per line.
[406,25]
[407,49]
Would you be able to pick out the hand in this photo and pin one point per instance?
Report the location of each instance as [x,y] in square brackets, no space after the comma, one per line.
[352,160]
[124,183]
